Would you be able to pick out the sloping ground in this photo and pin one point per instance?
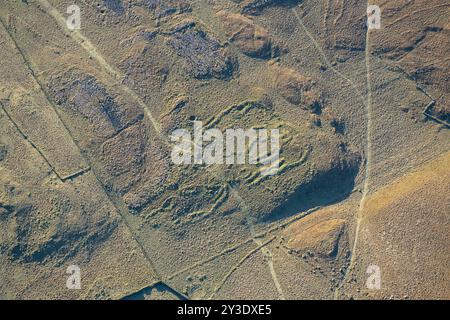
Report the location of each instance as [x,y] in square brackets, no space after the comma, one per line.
[405,230]
[53,211]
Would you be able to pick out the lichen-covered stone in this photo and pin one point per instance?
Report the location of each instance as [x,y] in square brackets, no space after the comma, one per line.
[204,56]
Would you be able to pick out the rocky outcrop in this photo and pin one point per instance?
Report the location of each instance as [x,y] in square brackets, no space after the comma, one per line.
[3,152]
[87,97]
[115,5]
